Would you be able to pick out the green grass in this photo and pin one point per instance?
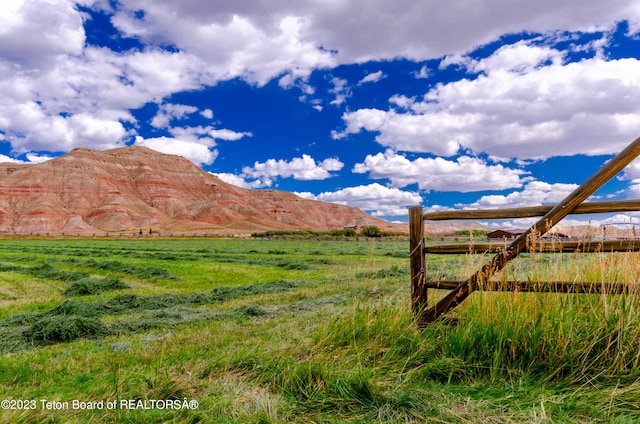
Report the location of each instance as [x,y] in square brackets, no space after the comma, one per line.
[307,331]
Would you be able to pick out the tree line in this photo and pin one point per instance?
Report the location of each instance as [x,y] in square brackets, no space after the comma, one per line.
[370,231]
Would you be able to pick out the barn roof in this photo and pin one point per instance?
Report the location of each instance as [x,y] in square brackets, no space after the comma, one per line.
[504,233]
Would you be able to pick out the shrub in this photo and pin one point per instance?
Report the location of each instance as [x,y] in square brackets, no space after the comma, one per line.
[371,231]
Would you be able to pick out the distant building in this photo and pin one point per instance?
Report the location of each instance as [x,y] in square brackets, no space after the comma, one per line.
[504,234]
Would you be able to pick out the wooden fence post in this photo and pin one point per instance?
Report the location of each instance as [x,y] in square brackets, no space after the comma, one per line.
[416,261]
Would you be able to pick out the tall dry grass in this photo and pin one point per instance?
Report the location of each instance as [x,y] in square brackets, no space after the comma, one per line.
[565,337]
[555,336]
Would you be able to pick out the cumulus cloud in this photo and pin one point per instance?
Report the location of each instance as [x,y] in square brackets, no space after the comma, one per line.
[168,112]
[374,198]
[236,180]
[37,158]
[31,158]
[280,33]
[304,168]
[372,77]
[232,45]
[28,126]
[632,171]
[207,135]
[195,151]
[518,58]
[535,193]
[464,174]
[340,90]
[227,134]
[408,131]
[423,73]
[634,190]
[84,100]
[7,159]
[526,103]
[57,92]
[194,143]
[58,27]
[632,174]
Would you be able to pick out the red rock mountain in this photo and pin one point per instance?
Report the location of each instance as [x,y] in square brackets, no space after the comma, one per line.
[132,188]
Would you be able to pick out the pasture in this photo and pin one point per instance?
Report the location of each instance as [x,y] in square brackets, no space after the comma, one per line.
[242,331]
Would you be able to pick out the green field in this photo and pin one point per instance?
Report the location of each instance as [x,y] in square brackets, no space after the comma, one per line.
[248,331]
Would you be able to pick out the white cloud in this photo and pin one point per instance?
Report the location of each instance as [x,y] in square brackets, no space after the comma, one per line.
[29,127]
[518,58]
[306,195]
[281,35]
[37,158]
[35,32]
[207,135]
[304,168]
[401,101]
[525,104]
[465,174]
[57,92]
[84,100]
[237,180]
[632,171]
[7,159]
[622,220]
[233,45]
[423,73]
[535,193]
[632,174]
[194,143]
[168,112]
[456,60]
[340,90]
[31,158]
[410,132]
[226,134]
[374,198]
[195,151]
[372,77]
[331,164]
[634,190]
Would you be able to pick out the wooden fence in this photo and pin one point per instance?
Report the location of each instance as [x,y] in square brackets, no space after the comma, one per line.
[550,216]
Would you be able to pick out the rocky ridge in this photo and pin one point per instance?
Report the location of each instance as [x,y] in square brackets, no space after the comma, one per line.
[135,188]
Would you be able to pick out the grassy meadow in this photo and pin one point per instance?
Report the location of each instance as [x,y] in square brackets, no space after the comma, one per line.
[257,331]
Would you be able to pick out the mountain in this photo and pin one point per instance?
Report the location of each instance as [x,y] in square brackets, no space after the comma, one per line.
[134,188]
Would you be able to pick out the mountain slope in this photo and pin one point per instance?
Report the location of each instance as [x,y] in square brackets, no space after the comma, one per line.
[88,191]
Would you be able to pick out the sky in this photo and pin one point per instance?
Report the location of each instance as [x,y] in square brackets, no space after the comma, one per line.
[376,104]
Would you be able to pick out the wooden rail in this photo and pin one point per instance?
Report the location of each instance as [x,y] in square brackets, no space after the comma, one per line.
[544,287]
[550,217]
[528,212]
[542,247]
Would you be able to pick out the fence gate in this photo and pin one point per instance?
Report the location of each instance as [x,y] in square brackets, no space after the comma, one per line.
[551,215]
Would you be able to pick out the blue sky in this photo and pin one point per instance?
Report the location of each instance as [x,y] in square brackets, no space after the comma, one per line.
[381,105]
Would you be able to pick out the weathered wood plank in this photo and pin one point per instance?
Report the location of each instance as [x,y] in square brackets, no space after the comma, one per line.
[557,213]
[544,287]
[543,247]
[416,260]
[531,211]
